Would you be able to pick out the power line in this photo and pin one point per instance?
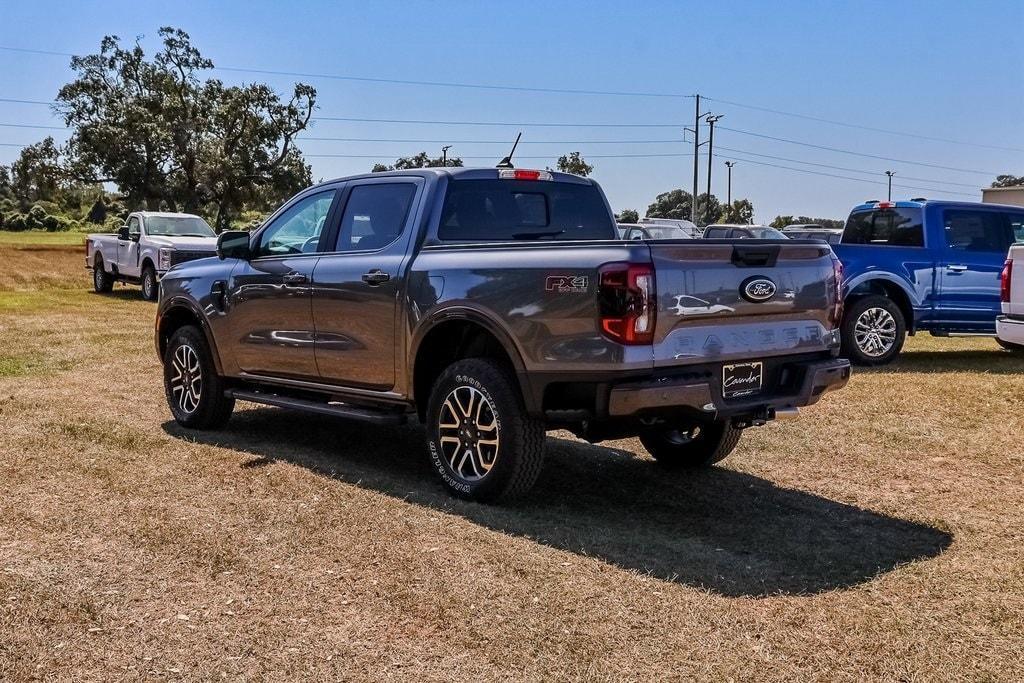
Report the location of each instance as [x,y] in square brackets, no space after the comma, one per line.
[859,154]
[846,124]
[499,123]
[25,125]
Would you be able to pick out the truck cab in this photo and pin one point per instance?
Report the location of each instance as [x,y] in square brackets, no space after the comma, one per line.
[921,265]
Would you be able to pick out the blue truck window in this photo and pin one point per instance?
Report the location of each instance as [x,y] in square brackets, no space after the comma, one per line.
[1016,223]
[968,230]
[899,227]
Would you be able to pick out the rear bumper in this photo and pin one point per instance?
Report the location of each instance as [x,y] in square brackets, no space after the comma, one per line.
[1010,329]
[796,384]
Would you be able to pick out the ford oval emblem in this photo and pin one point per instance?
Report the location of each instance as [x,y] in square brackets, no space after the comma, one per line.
[757,289]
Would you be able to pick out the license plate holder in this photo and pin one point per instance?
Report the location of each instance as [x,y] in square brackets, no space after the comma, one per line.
[742,379]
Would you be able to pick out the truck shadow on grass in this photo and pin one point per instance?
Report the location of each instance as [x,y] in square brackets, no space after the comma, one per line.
[996,362]
[720,530]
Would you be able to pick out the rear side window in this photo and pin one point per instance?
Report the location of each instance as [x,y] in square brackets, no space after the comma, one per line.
[968,230]
[374,216]
[489,210]
[889,227]
[712,233]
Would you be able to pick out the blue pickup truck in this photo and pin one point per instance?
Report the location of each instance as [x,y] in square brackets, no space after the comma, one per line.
[921,265]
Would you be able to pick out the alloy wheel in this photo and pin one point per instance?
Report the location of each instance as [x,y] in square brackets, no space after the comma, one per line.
[468,432]
[187,380]
[875,332]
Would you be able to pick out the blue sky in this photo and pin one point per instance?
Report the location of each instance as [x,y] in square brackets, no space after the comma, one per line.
[951,70]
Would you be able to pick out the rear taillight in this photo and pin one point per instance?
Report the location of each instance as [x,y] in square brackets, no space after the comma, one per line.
[1004,281]
[837,306]
[627,302]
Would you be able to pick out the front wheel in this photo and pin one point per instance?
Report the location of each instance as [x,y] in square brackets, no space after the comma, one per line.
[691,447]
[481,440]
[194,390]
[150,287]
[873,330]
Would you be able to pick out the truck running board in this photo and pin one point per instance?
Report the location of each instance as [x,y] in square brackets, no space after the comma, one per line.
[343,410]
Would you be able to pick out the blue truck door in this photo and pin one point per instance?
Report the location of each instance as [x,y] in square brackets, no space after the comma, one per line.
[976,241]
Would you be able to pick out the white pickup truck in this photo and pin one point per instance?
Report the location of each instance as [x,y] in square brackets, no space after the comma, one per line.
[145,248]
[1010,325]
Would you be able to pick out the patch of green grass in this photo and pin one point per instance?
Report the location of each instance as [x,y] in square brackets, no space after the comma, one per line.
[16,366]
[42,238]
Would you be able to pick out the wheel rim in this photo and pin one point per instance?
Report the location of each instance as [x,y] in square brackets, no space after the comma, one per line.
[468,432]
[147,285]
[97,276]
[186,378]
[875,332]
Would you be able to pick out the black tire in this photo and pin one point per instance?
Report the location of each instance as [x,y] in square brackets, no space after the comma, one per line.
[211,409]
[1010,346]
[150,286]
[487,397]
[698,446]
[876,318]
[102,281]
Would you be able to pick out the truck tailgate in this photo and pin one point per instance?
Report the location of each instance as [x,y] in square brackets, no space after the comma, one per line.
[743,300]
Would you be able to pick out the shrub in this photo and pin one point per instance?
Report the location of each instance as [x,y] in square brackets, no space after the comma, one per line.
[16,222]
[98,212]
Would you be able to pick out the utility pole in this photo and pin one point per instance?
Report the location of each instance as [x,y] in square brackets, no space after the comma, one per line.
[696,158]
[712,119]
[890,174]
[444,155]
[729,165]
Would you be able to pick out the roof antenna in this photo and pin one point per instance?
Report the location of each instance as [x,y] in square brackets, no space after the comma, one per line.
[507,161]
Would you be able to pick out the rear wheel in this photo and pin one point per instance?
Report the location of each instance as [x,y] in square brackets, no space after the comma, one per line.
[481,440]
[102,281]
[1010,346]
[194,390]
[150,287]
[691,447]
[873,330]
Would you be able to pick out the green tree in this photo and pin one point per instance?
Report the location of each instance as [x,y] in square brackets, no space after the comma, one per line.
[421,160]
[1008,181]
[628,216]
[676,204]
[38,173]
[709,209]
[166,137]
[779,222]
[575,164]
[740,211]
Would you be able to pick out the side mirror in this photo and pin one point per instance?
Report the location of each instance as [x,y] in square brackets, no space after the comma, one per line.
[135,236]
[122,232]
[233,244]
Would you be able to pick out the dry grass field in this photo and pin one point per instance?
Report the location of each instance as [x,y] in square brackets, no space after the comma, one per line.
[881,536]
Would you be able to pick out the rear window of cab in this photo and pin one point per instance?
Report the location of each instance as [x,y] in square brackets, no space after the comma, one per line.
[506,210]
[894,227]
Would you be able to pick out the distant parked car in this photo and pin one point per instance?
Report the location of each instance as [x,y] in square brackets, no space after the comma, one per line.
[689,228]
[653,231]
[145,247]
[811,231]
[742,232]
[1010,325]
[922,265]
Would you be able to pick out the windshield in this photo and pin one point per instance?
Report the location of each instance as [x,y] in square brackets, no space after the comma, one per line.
[178,226]
[767,234]
[665,232]
[485,210]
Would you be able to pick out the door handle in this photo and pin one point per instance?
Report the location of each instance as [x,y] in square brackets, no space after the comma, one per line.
[956,269]
[295,279]
[375,277]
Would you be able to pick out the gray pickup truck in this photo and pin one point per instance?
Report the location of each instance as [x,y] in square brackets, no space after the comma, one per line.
[495,304]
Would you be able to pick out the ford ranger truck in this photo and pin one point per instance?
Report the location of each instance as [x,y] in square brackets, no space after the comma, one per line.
[921,265]
[145,247]
[493,305]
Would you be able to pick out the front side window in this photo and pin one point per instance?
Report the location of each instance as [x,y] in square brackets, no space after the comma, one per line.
[896,227]
[375,215]
[298,229]
[975,231]
[178,226]
[134,227]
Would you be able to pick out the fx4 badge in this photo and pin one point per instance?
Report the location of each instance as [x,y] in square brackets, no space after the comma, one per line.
[567,284]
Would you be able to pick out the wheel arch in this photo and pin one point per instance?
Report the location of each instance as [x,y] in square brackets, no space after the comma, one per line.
[179,313]
[889,287]
[454,334]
